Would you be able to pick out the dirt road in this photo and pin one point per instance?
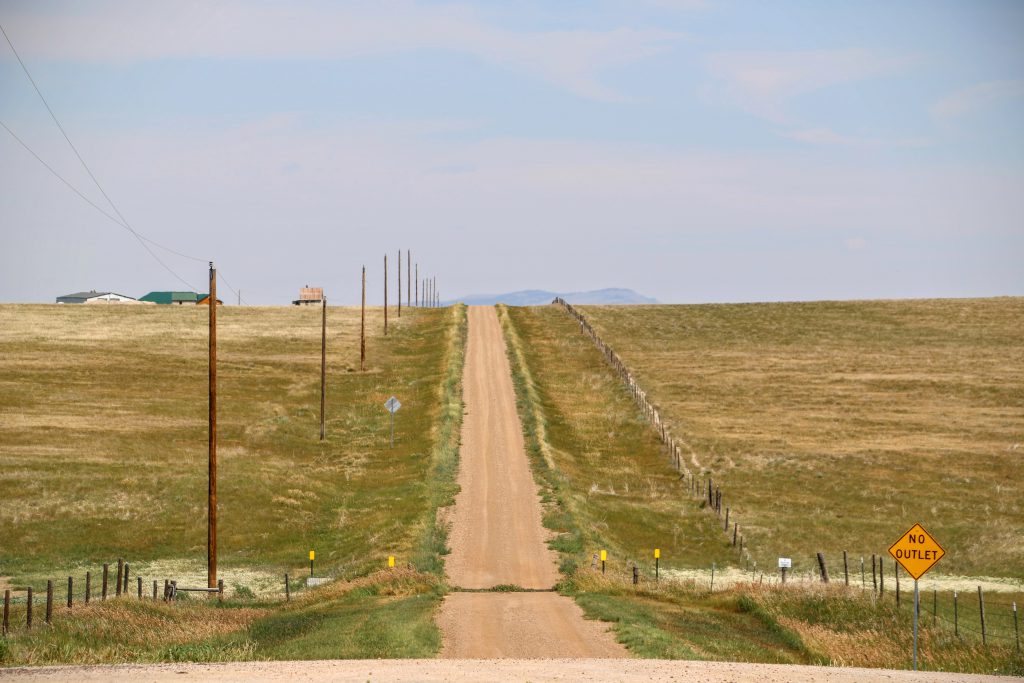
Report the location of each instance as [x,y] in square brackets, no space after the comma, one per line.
[430,670]
[496,536]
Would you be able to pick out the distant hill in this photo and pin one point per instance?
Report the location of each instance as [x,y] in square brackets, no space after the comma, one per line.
[540,297]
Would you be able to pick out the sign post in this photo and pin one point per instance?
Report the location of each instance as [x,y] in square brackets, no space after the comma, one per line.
[312,555]
[657,560]
[917,552]
[392,405]
[604,556]
[784,564]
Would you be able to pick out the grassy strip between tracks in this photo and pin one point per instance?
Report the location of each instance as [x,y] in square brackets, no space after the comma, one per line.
[574,420]
[387,613]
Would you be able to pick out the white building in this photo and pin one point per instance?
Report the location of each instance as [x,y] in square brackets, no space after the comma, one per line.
[95,297]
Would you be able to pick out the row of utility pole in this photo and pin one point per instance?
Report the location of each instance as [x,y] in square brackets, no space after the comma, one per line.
[430,298]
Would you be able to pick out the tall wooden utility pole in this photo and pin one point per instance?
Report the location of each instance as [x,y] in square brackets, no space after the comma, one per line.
[399,296]
[385,295]
[211,503]
[362,328]
[323,368]
[433,290]
[408,278]
[417,285]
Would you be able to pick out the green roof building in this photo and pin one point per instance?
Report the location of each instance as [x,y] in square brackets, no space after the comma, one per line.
[180,298]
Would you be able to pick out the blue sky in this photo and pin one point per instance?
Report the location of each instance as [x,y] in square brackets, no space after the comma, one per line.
[692,150]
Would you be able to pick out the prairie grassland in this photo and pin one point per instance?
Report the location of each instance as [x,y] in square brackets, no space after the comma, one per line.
[103,431]
[609,485]
[369,501]
[836,425]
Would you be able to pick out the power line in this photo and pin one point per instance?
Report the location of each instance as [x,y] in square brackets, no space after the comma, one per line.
[123,221]
[142,240]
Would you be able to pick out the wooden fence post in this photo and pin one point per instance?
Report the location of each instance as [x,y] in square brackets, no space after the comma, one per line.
[981,607]
[220,582]
[881,576]
[139,580]
[863,578]
[874,575]
[28,607]
[735,532]
[821,568]
[935,604]
[154,590]
[896,573]
[7,610]
[120,574]
[88,586]
[126,578]
[287,590]
[726,520]
[846,568]
[71,587]
[106,573]
[49,600]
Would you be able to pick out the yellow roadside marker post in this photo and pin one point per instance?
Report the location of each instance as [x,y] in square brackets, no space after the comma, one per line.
[604,556]
[917,552]
[657,560]
[391,561]
[312,555]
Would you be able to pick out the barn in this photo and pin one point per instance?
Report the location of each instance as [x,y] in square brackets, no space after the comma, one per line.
[179,298]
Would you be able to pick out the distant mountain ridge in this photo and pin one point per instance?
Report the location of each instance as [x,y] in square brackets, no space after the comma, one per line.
[540,297]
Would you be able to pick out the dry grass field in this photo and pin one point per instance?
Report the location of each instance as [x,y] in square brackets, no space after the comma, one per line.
[598,459]
[837,425]
[103,440]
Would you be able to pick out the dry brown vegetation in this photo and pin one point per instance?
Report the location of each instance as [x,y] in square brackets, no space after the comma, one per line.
[103,431]
[836,425]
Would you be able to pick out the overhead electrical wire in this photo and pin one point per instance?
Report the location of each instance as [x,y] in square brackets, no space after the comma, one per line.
[120,220]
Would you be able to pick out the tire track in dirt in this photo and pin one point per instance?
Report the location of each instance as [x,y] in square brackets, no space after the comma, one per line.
[496,535]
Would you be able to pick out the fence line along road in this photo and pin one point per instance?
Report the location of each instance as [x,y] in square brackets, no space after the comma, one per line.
[675,447]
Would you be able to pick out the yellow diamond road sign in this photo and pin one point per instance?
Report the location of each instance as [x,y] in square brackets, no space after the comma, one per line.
[917,551]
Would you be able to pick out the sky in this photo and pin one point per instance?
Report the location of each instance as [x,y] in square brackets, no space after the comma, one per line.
[692,150]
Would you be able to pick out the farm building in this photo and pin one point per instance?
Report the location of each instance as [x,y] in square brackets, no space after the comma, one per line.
[309,295]
[180,298]
[94,297]
[204,300]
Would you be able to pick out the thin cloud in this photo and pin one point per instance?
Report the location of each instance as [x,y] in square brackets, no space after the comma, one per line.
[132,31]
[829,137]
[763,83]
[976,98]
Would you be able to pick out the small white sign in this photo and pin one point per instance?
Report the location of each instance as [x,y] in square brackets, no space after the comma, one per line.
[785,563]
[316,580]
[392,405]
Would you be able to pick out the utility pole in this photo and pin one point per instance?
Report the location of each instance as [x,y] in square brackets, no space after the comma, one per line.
[362,328]
[323,368]
[417,285]
[211,503]
[399,283]
[385,295]
[239,297]
[433,289]
[408,278]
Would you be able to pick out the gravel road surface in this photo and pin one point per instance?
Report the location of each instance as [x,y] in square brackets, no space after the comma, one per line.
[497,537]
[431,670]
